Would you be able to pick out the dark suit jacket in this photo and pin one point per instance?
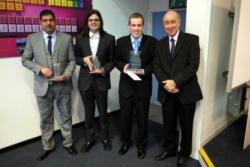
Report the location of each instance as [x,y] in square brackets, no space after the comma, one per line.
[182,68]
[128,87]
[105,53]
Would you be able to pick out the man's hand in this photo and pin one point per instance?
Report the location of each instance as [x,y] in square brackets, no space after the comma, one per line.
[60,78]
[98,71]
[47,72]
[88,62]
[138,71]
[125,68]
[170,86]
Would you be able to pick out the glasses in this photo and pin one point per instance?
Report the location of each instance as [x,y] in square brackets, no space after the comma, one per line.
[93,20]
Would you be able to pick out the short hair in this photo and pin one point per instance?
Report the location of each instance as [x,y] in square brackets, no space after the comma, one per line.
[90,13]
[177,14]
[47,12]
[136,15]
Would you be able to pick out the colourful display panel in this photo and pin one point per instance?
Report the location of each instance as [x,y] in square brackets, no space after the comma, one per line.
[18,18]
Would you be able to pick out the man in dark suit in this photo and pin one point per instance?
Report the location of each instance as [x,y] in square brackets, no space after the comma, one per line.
[135,95]
[94,53]
[175,65]
[50,55]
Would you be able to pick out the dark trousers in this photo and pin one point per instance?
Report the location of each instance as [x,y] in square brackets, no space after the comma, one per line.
[139,107]
[89,98]
[173,109]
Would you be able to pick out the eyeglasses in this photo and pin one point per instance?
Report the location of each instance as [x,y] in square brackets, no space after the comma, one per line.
[93,20]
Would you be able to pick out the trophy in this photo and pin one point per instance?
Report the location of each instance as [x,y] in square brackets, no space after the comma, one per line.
[96,63]
[134,60]
[57,70]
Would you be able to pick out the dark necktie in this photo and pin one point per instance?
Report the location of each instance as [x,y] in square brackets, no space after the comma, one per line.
[172,51]
[50,44]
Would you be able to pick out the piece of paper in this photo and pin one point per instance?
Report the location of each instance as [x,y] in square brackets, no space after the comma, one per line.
[133,76]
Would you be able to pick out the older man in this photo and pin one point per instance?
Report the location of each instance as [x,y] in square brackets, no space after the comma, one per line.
[175,65]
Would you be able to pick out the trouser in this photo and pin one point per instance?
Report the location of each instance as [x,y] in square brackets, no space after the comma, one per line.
[89,98]
[172,109]
[46,109]
[141,108]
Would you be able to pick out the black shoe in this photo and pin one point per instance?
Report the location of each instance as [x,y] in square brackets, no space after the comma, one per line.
[141,152]
[164,155]
[86,147]
[124,148]
[71,150]
[182,161]
[107,145]
[43,154]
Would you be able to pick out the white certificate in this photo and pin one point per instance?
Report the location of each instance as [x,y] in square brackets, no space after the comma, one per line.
[133,76]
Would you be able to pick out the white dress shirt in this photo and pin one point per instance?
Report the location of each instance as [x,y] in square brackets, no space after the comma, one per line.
[94,39]
[175,39]
[53,39]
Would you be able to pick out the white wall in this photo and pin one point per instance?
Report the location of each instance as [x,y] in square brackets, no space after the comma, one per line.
[209,19]
[19,114]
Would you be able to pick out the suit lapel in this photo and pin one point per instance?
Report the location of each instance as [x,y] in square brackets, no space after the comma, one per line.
[166,55]
[57,45]
[41,42]
[179,43]
[142,43]
[129,46]
[86,41]
[100,46]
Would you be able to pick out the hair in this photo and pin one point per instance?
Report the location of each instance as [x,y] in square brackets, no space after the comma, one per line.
[47,12]
[136,15]
[86,29]
[177,14]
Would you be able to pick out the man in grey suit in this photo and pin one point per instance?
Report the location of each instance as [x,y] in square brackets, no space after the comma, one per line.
[50,55]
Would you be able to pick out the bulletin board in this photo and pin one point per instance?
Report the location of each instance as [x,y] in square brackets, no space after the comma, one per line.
[18,18]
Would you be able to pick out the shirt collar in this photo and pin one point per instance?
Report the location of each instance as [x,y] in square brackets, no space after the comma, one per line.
[45,35]
[92,34]
[133,39]
[175,37]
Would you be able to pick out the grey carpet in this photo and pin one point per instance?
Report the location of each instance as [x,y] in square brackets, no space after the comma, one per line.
[225,150]
[24,155]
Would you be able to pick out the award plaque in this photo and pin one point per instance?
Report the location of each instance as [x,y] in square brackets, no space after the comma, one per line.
[96,63]
[134,60]
[57,70]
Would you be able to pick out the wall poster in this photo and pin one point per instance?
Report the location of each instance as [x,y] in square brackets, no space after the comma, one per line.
[18,18]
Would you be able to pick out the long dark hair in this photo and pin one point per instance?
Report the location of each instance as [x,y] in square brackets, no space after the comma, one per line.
[86,29]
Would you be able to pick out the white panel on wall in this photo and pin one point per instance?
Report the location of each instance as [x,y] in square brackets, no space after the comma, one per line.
[239,59]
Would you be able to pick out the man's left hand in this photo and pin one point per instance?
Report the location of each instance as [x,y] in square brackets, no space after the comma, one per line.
[138,71]
[98,71]
[59,78]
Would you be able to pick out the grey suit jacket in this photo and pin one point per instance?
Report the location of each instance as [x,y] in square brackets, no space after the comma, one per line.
[36,56]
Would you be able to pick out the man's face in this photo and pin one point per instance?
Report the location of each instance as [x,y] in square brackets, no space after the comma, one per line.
[136,27]
[94,23]
[48,24]
[171,23]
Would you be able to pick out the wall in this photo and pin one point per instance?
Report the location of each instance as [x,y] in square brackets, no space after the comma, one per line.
[209,19]
[221,107]
[19,114]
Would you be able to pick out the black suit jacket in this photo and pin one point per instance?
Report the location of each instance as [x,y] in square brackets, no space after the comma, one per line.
[182,68]
[105,53]
[127,86]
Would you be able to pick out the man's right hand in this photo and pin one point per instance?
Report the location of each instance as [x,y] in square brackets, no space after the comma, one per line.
[88,62]
[47,72]
[125,68]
